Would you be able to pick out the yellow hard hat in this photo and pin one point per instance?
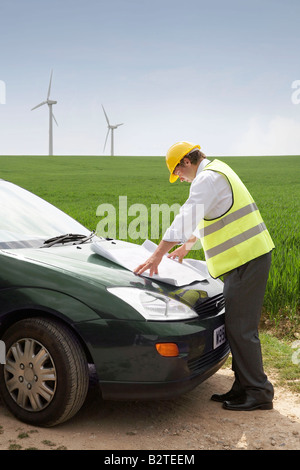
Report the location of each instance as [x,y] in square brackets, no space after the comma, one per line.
[175,153]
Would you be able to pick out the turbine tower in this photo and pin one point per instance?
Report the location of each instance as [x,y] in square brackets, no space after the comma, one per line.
[111,129]
[51,115]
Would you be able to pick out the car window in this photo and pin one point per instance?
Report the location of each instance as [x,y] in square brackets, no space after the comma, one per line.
[26,219]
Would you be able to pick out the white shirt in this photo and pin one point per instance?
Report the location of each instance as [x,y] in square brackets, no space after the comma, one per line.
[210,197]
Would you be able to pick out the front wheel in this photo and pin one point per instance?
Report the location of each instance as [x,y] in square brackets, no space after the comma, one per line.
[45,379]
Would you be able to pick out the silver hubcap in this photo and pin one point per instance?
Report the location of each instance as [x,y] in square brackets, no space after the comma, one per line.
[30,374]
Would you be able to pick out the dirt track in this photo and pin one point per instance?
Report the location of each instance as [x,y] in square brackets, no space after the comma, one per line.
[191,422]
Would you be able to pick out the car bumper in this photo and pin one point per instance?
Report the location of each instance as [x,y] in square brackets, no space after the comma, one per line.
[129,367]
[163,390]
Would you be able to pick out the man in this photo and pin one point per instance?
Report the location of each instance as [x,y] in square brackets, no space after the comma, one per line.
[237,245]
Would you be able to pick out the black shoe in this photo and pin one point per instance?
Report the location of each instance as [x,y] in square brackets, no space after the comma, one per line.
[247,403]
[231,395]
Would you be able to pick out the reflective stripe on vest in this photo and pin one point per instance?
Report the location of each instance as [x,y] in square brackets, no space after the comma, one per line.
[235,240]
[238,236]
[227,219]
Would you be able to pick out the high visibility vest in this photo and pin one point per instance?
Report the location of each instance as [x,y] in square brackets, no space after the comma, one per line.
[237,236]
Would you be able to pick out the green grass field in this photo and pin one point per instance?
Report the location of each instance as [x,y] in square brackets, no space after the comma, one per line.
[78,185]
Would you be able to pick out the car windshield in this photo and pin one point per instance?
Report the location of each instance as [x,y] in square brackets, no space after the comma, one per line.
[27,220]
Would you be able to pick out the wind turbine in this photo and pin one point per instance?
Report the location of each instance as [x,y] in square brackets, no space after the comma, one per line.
[51,115]
[111,129]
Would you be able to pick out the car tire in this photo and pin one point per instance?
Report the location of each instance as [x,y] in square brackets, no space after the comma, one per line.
[45,379]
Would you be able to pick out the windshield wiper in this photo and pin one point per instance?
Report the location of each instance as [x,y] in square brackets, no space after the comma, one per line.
[67,238]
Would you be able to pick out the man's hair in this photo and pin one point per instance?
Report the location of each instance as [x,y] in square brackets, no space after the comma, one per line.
[194,156]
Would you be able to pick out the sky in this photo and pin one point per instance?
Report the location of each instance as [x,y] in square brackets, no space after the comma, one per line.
[221,74]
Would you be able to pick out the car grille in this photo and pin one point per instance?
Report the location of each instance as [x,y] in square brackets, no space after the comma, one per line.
[210,357]
[210,306]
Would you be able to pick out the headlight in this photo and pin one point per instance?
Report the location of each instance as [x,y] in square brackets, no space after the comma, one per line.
[153,306]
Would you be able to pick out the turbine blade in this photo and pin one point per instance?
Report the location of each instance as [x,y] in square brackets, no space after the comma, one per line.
[54,119]
[117,125]
[105,115]
[49,85]
[106,139]
[41,104]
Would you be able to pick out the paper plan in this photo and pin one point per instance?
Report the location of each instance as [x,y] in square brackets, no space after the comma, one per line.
[130,255]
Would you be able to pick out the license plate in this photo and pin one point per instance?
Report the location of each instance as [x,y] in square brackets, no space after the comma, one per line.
[219,336]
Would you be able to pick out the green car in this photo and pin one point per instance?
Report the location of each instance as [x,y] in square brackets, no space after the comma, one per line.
[65,308]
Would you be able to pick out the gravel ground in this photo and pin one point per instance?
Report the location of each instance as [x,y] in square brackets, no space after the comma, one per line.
[191,422]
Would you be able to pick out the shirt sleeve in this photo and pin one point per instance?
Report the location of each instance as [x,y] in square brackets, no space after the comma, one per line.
[202,198]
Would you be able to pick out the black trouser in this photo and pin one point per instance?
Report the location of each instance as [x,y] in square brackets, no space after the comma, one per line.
[244,290]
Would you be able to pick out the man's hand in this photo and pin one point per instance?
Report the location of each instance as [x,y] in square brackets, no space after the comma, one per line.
[179,253]
[151,264]
[183,250]
[154,260]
